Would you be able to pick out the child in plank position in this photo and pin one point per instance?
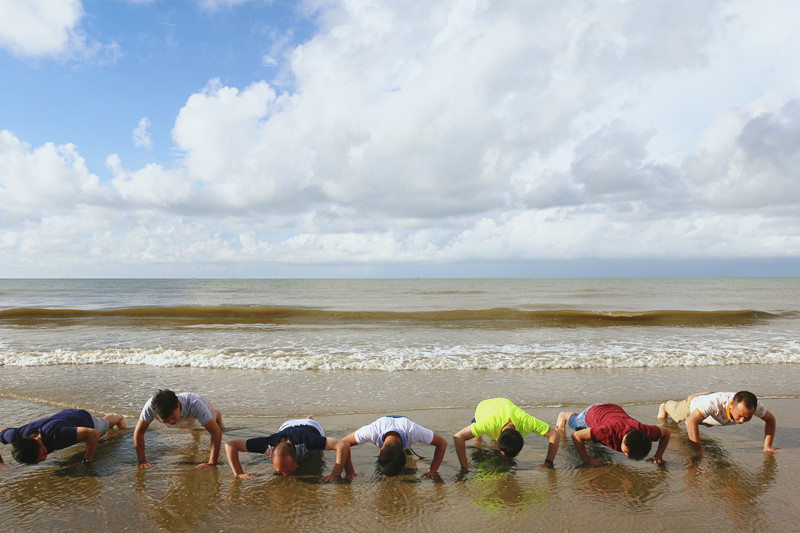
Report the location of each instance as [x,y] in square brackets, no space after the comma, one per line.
[393,435]
[294,441]
[609,424]
[184,410]
[503,421]
[34,441]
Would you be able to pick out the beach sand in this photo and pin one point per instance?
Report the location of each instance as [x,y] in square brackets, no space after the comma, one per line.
[736,487]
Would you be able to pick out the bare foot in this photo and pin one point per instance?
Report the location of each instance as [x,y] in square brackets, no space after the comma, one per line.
[121,424]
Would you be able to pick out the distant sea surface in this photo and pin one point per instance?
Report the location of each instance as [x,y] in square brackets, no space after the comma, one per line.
[400,324]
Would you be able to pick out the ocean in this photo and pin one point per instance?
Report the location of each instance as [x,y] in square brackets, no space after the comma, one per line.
[350,350]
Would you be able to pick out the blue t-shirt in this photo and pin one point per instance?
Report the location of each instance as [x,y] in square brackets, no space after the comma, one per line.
[304,438]
[58,431]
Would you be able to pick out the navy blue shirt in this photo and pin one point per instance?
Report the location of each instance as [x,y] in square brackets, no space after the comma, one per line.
[304,438]
[58,431]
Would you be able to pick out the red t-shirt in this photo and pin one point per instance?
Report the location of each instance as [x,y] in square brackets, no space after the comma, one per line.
[608,424]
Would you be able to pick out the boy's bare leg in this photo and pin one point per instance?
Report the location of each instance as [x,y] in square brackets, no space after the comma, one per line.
[561,422]
[116,420]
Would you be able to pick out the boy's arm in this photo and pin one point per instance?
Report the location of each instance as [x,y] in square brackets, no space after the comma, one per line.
[350,472]
[555,439]
[438,455]
[216,442]
[578,439]
[138,443]
[693,431]
[662,446]
[460,442]
[769,431]
[342,456]
[232,449]
[91,436]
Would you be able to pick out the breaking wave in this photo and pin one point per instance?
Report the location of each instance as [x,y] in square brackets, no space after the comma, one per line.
[416,359]
[497,317]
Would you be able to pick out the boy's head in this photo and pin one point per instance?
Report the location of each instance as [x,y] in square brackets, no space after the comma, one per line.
[510,442]
[743,406]
[29,450]
[164,404]
[392,457]
[284,458]
[636,445]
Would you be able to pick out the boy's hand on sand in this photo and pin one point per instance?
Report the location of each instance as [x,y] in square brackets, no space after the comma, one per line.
[656,461]
[245,476]
[330,478]
[204,465]
[593,462]
[766,449]
[145,465]
[430,474]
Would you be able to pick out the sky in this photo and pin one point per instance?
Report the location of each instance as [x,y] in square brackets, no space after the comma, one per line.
[388,138]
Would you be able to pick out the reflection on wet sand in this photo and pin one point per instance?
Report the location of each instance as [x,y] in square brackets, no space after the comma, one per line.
[636,488]
[737,493]
[495,489]
[178,501]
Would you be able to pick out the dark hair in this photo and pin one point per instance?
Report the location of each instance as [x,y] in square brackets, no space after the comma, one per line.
[392,458]
[510,442]
[164,402]
[747,398]
[26,450]
[638,444]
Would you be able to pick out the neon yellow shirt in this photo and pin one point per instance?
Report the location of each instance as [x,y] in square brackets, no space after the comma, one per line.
[492,415]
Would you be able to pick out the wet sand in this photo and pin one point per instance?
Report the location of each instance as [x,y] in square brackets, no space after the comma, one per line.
[736,487]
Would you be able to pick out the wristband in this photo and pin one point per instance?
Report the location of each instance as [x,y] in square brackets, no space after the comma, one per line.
[549,461]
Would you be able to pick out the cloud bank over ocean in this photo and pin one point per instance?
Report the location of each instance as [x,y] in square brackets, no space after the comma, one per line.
[410,133]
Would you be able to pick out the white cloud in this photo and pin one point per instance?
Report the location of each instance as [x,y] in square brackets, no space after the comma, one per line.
[51,28]
[452,132]
[751,161]
[141,134]
[43,179]
[38,27]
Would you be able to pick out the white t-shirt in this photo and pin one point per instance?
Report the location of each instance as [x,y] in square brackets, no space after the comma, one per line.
[410,433]
[192,406]
[714,407]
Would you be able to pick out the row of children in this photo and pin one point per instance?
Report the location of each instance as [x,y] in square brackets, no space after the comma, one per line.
[499,418]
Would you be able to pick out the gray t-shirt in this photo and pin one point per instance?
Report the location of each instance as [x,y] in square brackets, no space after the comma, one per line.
[192,406]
